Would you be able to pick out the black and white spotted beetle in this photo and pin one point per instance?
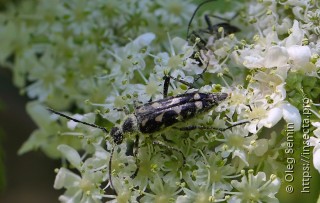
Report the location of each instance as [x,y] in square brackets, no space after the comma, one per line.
[157,115]
[154,116]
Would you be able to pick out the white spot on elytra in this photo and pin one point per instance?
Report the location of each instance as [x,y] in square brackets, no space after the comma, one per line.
[143,123]
[156,105]
[175,101]
[196,96]
[177,109]
[142,109]
[198,104]
[159,118]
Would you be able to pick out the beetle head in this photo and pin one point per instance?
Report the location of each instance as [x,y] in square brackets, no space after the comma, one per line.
[117,135]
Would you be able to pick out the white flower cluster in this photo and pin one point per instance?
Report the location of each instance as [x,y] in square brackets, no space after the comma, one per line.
[99,58]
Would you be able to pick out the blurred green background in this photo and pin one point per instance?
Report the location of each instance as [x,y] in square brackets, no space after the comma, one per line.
[29,178]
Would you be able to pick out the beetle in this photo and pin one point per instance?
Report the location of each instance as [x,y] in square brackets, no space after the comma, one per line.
[157,115]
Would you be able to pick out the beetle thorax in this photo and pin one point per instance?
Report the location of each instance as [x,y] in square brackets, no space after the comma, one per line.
[130,125]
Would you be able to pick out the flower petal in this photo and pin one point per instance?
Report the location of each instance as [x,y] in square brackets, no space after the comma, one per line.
[316,158]
[274,116]
[300,55]
[276,57]
[296,36]
[71,155]
[291,115]
[65,179]
[313,141]
[144,39]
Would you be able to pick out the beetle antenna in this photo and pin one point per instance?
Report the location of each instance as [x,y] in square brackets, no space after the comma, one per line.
[78,121]
[94,126]
[194,13]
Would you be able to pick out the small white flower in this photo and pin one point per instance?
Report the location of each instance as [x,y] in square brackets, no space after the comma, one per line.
[236,142]
[268,118]
[199,192]
[260,117]
[215,170]
[255,188]
[78,189]
[237,102]
[161,191]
